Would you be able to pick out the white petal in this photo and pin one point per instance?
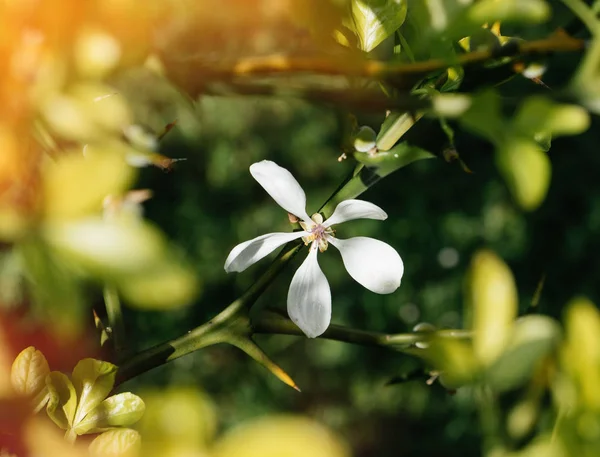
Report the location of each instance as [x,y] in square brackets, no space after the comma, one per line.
[250,252]
[372,263]
[281,186]
[309,297]
[355,209]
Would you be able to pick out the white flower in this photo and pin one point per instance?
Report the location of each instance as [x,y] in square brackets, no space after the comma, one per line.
[372,263]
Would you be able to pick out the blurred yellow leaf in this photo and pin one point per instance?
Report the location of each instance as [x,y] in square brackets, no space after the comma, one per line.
[539,114]
[122,442]
[492,299]
[96,53]
[75,185]
[181,417]
[531,339]
[581,353]
[454,360]
[87,112]
[520,11]
[278,436]
[168,285]
[107,247]
[42,438]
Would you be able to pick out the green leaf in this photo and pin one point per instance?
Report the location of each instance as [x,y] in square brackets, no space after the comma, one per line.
[107,248]
[399,156]
[29,371]
[526,170]
[192,416]
[484,116]
[539,114]
[581,352]
[169,285]
[123,442]
[75,185]
[492,305]
[533,337]
[521,11]
[453,358]
[375,20]
[93,380]
[63,399]
[120,410]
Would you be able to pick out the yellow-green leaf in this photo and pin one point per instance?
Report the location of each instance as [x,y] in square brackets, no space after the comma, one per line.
[93,380]
[521,11]
[581,354]
[454,359]
[169,285]
[375,20]
[123,442]
[492,299]
[532,338]
[399,156]
[278,436]
[29,371]
[540,114]
[107,247]
[193,418]
[484,116]
[526,170]
[120,410]
[63,399]
[75,185]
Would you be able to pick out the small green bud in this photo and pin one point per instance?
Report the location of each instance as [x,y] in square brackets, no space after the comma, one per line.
[365,139]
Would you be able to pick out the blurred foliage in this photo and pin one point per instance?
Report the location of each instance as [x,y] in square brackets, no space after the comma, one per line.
[126,133]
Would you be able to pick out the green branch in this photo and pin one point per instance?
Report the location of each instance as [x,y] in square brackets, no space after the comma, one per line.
[275,324]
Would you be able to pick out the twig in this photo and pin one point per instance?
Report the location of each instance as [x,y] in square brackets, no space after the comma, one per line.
[284,65]
[274,324]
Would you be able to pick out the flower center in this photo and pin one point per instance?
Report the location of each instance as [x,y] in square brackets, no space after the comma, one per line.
[317,232]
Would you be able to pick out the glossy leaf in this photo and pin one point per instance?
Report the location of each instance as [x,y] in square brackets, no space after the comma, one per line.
[62,403]
[123,442]
[120,410]
[29,371]
[93,380]
[374,20]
